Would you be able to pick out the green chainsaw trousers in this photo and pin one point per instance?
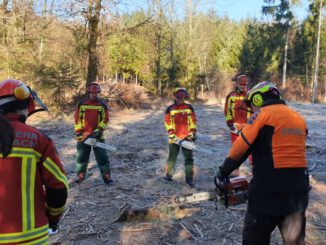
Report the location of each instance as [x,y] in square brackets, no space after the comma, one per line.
[101,156]
[189,161]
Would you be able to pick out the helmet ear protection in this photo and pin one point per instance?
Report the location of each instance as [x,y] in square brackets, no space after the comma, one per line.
[22,92]
[16,95]
[257,100]
[255,95]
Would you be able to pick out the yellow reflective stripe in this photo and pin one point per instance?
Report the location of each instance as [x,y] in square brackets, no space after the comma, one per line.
[78,127]
[173,112]
[28,189]
[55,211]
[56,171]
[102,125]
[41,241]
[227,118]
[168,127]
[92,107]
[231,107]
[23,236]
[24,152]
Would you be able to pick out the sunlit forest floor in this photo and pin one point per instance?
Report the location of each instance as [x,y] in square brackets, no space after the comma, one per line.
[138,168]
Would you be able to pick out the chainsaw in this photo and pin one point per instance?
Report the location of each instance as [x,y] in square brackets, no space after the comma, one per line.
[95,143]
[190,145]
[230,192]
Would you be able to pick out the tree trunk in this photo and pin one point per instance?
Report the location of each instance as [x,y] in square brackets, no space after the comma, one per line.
[93,32]
[285,59]
[315,82]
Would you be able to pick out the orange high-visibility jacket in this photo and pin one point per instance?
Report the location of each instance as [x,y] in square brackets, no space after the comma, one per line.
[89,115]
[232,108]
[180,120]
[33,186]
[276,138]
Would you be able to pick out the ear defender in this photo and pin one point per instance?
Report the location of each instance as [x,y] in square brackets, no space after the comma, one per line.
[22,92]
[257,100]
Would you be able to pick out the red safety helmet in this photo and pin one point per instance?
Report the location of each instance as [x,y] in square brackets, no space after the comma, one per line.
[94,88]
[15,95]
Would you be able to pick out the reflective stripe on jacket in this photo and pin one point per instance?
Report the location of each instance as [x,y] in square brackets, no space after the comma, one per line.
[31,169]
[232,111]
[89,115]
[180,119]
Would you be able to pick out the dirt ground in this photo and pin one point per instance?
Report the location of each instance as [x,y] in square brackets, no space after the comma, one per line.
[137,170]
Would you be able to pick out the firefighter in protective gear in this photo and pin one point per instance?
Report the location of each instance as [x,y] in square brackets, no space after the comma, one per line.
[91,118]
[33,183]
[180,123]
[236,114]
[235,111]
[278,193]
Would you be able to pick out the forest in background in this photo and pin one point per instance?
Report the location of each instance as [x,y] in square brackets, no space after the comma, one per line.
[58,47]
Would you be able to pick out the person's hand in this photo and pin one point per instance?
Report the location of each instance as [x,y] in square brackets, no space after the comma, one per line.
[79,136]
[231,126]
[53,228]
[219,176]
[172,137]
[192,136]
[97,133]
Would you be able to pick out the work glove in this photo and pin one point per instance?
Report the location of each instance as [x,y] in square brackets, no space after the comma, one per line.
[231,126]
[79,136]
[219,176]
[97,133]
[192,136]
[53,228]
[172,137]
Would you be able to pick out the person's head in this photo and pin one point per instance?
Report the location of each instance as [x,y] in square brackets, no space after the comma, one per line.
[241,83]
[15,98]
[94,91]
[180,95]
[262,94]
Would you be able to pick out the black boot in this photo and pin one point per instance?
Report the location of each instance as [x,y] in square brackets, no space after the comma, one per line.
[107,179]
[168,177]
[190,182]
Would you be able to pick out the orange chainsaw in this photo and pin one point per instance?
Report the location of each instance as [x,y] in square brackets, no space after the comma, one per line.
[230,192]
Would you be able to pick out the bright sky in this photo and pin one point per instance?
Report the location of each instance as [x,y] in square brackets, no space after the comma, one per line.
[240,9]
[234,9]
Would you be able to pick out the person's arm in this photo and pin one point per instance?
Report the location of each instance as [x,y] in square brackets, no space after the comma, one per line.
[169,125]
[104,117]
[228,113]
[78,123]
[55,183]
[241,148]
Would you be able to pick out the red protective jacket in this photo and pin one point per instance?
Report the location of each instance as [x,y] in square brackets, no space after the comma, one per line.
[90,115]
[180,120]
[33,186]
[233,111]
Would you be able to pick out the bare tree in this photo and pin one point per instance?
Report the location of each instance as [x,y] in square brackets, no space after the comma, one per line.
[315,81]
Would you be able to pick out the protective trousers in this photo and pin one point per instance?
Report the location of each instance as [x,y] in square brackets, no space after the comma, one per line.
[258,228]
[101,156]
[189,161]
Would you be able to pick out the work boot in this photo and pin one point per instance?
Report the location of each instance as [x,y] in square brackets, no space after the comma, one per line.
[168,177]
[191,183]
[80,178]
[107,179]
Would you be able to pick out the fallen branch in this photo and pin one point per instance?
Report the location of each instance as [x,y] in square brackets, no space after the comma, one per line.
[186,229]
[199,231]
